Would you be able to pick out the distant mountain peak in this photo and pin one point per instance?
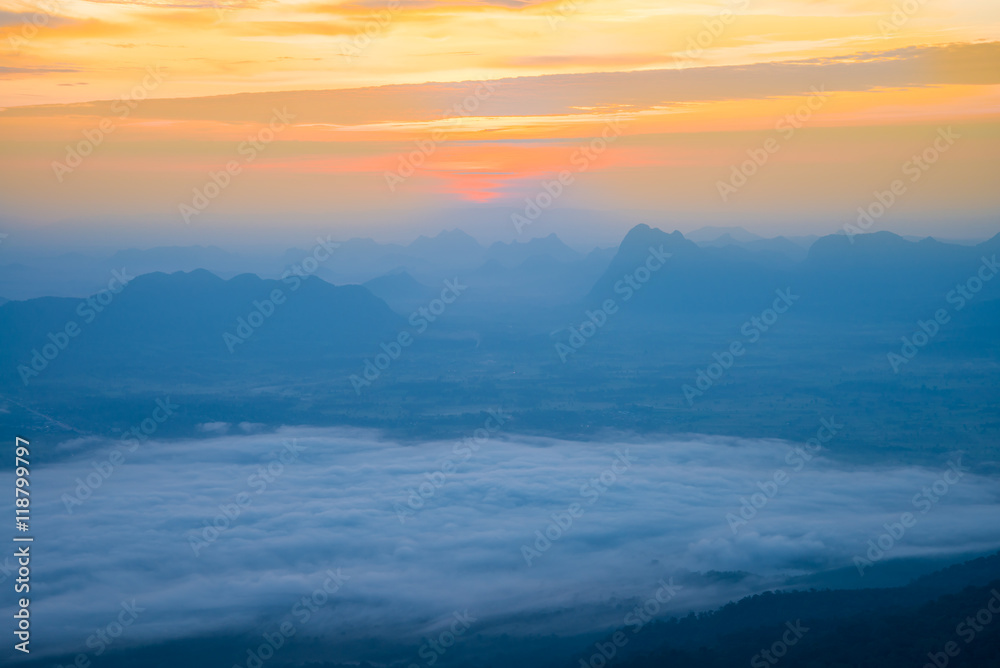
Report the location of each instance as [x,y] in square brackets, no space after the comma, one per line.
[872,241]
[518,252]
[170,249]
[397,278]
[455,235]
[642,236]
[714,233]
[446,244]
[184,278]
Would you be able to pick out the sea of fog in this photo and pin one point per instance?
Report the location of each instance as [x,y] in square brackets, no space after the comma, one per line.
[230,531]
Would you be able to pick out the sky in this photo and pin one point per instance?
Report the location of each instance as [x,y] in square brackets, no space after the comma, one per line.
[193,120]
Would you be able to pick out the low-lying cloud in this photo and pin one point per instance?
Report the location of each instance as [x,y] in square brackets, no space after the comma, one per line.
[640,510]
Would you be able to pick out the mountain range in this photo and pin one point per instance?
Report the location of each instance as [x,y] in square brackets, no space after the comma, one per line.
[427,259]
[523,325]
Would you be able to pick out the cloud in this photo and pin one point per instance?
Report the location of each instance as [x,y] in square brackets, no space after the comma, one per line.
[336,505]
[626,92]
[21,19]
[34,70]
[214,427]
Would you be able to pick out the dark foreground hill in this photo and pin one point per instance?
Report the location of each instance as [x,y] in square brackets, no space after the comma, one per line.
[903,627]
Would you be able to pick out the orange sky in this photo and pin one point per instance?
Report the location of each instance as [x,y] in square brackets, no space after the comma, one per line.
[493,100]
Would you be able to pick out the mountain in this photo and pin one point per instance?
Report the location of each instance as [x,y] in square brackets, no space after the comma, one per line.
[885,628]
[691,279]
[194,322]
[874,275]
[884,274]
[778,249]
[359,260]
[503,342]
[79,275]
[429,260]
[448,247]
[805,241]
[539,280]
[515,253]
[169,259]
[714,233]
[400,291]
[779,246]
